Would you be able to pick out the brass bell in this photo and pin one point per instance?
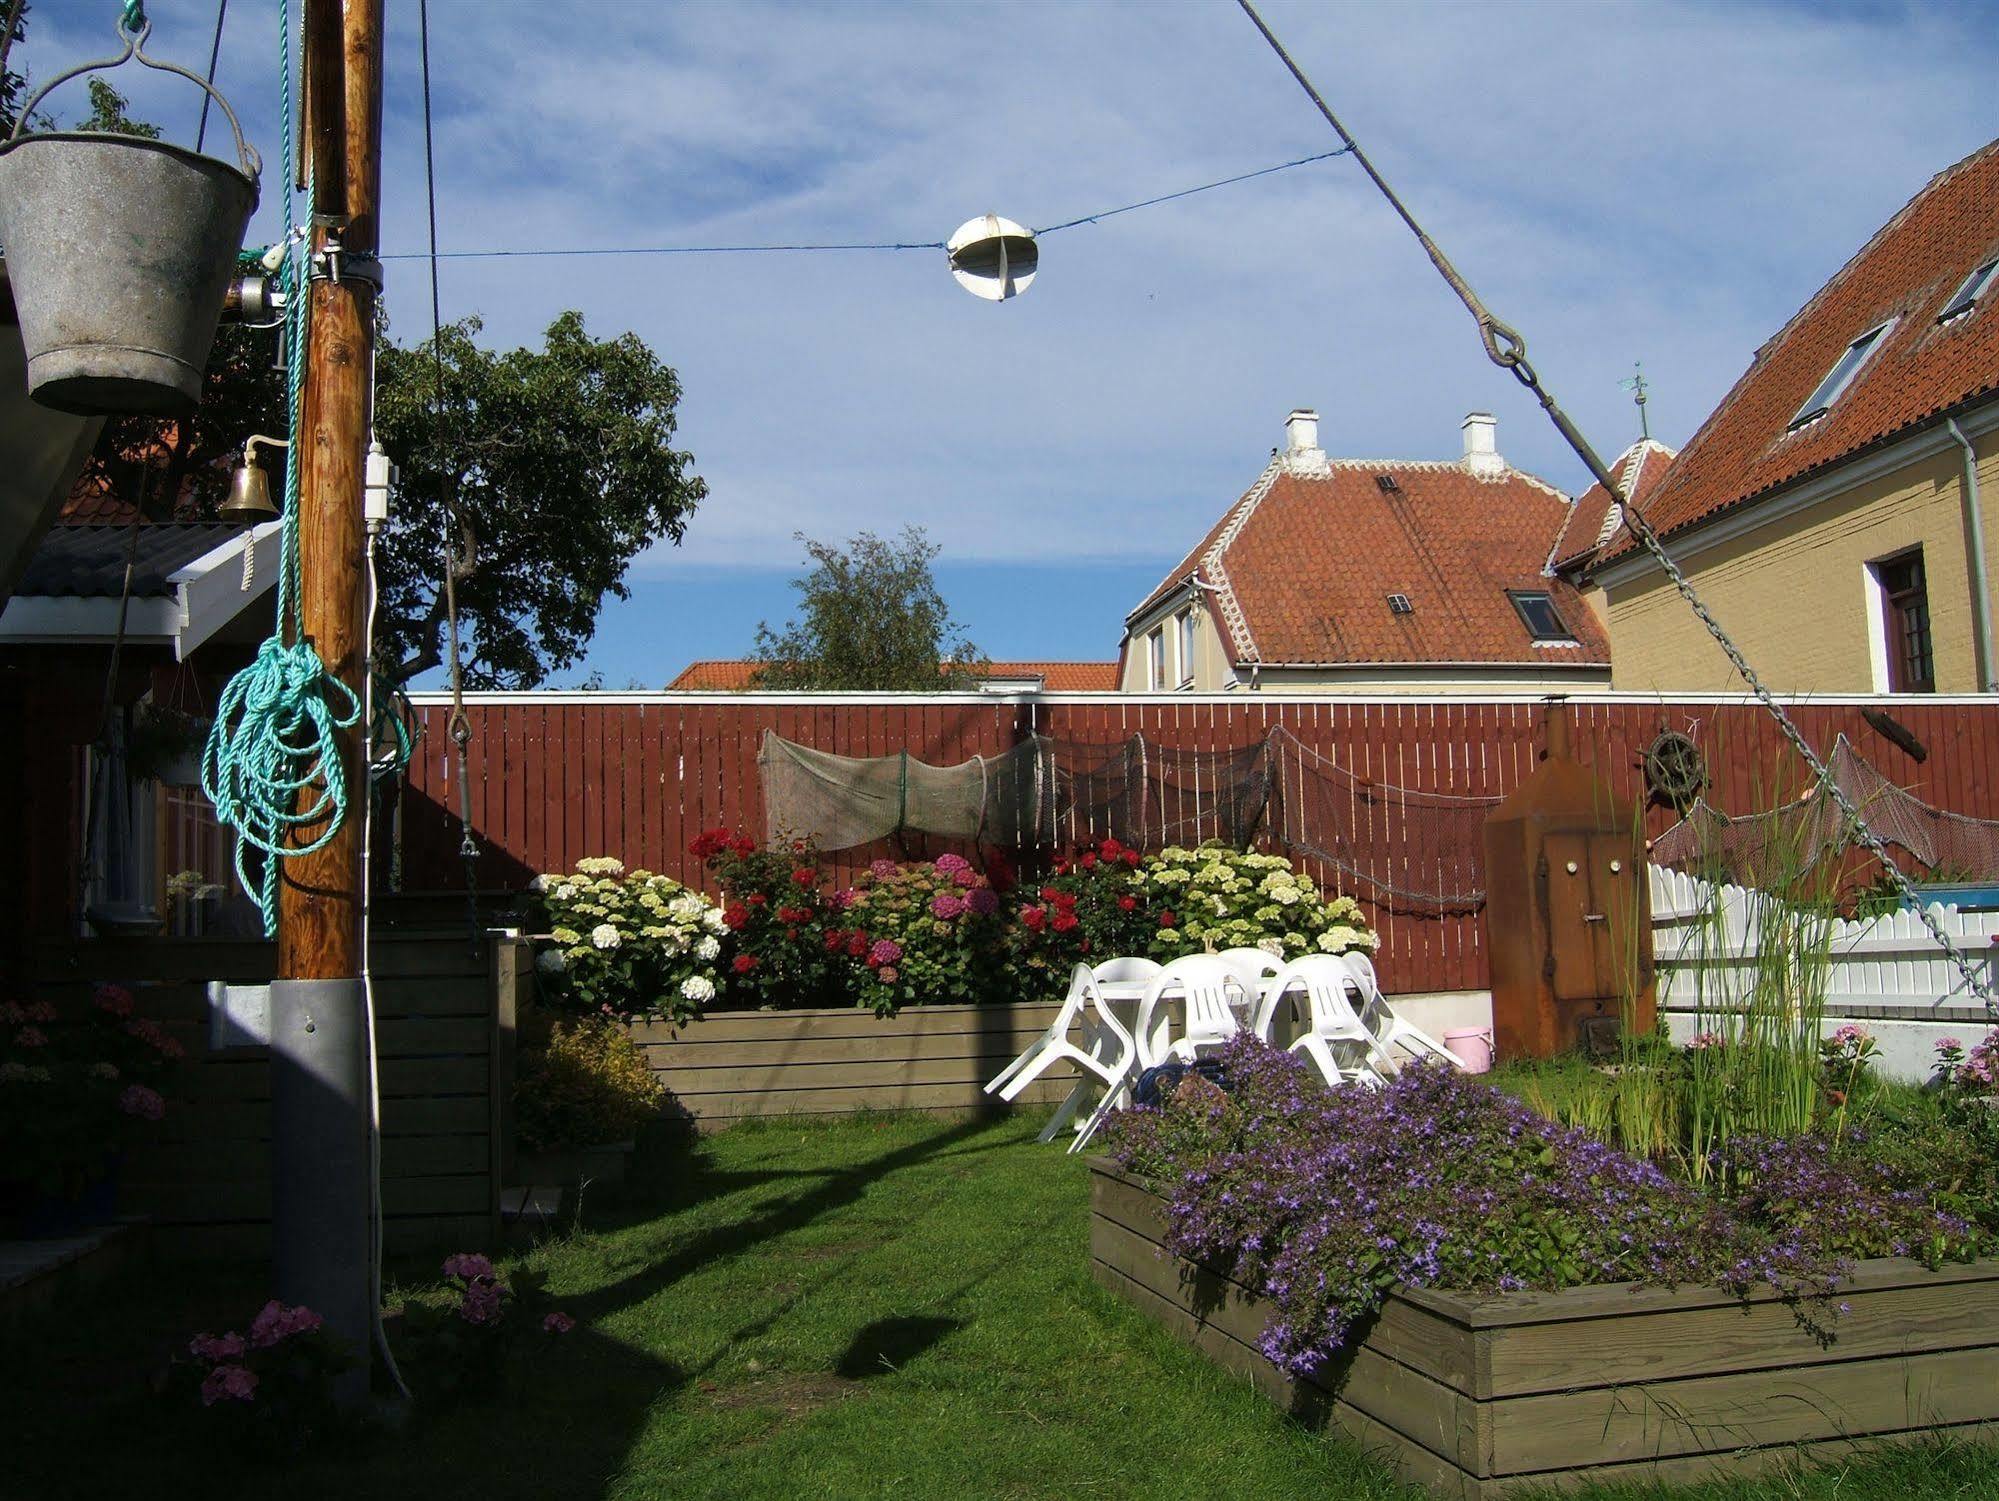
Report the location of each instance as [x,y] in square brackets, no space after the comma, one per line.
[249,489]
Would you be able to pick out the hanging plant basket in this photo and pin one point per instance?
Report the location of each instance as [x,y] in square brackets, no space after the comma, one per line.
[121,251]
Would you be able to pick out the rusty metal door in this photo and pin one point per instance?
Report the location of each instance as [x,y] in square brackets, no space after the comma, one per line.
[1590,901]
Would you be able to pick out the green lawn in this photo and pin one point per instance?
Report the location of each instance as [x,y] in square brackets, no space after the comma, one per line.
[873,1307]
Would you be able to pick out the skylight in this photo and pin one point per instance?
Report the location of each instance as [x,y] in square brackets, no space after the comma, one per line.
[1398,604]
[1538,614]
[1841,375]
[1974,286]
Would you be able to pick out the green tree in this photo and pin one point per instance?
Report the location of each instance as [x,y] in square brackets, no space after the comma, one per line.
[557,466]
[107,113]
[871,619]
[13,86]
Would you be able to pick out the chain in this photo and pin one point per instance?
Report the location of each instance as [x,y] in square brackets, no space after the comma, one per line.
[1505,347]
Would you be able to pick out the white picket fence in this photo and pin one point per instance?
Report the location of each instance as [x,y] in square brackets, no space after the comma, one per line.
[1887,973]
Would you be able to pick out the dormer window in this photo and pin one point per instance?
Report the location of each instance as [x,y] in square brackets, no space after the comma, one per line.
[1973,287]
[1537,612]
[1841,375]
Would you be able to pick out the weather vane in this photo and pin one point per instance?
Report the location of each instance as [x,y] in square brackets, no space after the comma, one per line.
[1635,384]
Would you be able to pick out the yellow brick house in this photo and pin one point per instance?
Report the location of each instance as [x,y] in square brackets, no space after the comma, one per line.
[1839,510]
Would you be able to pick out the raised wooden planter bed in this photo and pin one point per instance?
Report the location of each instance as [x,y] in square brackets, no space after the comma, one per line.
[1486,1397]
[731,1064]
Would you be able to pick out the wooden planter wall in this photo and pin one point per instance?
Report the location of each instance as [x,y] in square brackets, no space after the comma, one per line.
[742,1063]
[1487,1397]
[204,1176]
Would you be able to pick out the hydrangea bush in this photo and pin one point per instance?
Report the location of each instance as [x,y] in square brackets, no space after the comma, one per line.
[627,944]
[78,1083]
[776,910]
[1093,906]
[927,932]
[1217,897]
[270,1386]
[1323,1200]
[467,1337]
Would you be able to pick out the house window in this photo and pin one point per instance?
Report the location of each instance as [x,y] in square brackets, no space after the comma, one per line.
[1974,286]
[1155,649]
[1841,375]
[1905,611]
[1537,612]
[1186,648]
[1398,604]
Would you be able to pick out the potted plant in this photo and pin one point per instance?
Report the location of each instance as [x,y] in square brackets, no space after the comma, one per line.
[583,1093]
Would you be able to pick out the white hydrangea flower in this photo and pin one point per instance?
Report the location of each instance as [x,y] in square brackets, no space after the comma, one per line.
[538,885]
[712,920]
[604,936]
[1285,896]
[568,936]
[707,949]
[565,892]
[1271,946]
[600,865]
[551,962]
[698,988]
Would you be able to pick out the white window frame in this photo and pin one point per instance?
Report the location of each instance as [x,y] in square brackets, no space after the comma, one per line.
[1155,652]
[1183,637]
[1875,601]
[1825,395]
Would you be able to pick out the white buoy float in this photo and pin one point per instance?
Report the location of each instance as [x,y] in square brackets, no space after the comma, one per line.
[993,258]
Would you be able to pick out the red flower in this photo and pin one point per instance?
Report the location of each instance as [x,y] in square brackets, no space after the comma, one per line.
[803,877]
[742,844]
[1088,862]
[1127,903]
[1034,918]
[1166,919]
[857,944]
[735,915]
[757,899]
[1131,858]
[1049,893]
[1064,921]
[835,940]
[709,843]
[1061,867]
[1110,849]
[745,963]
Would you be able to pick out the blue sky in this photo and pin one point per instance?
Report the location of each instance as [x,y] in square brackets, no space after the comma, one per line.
[1664,182]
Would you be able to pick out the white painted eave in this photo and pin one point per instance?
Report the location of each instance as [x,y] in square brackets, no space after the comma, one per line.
[208,593]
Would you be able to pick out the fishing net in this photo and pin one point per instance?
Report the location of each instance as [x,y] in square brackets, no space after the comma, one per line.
[1798,835]
[1149,795]
[840,802]
[1405,848]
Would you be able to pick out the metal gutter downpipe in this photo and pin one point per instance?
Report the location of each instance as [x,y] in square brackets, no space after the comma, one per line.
[1974,522]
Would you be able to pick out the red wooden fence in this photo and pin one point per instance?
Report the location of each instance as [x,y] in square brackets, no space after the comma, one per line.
[555,777]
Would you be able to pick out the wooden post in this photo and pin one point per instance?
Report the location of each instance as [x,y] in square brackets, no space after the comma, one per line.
[321,1213]
[319,929]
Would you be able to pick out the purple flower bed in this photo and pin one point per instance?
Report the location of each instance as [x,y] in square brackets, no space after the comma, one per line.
[1324,1200]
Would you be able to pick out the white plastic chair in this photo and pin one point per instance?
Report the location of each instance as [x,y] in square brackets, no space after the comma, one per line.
[1205,982]
[1098,1038]
[1107,1036]
[1333,1027]
[1384,1023]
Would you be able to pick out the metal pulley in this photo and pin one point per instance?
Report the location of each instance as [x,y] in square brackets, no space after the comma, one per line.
[993,258]
[122,251]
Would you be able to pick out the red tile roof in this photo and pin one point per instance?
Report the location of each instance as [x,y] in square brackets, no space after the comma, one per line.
[1596,523]
[1919,372]
[1302,565]
[730,676]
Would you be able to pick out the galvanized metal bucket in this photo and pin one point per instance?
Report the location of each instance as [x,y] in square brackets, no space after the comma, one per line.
[121,251]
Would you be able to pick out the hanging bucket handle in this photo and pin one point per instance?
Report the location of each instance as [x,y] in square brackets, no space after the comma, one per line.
[135,46]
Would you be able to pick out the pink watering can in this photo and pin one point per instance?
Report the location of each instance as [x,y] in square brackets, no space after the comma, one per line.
[1471,1046]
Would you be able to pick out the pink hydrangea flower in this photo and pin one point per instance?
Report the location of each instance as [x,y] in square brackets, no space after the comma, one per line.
[32,1037]
[1849,1034]
[469,1265]
[482,1301]
[115,999]
[147,1104]
[966,877]
[41,1011]
[842,899]
[882,870]
[983,901]
[1703,1040]
[216,1347]
[885,951]
[276,1321]
[558,1323]
[235,1382]
[952,864]
[946,906]
[887,974]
